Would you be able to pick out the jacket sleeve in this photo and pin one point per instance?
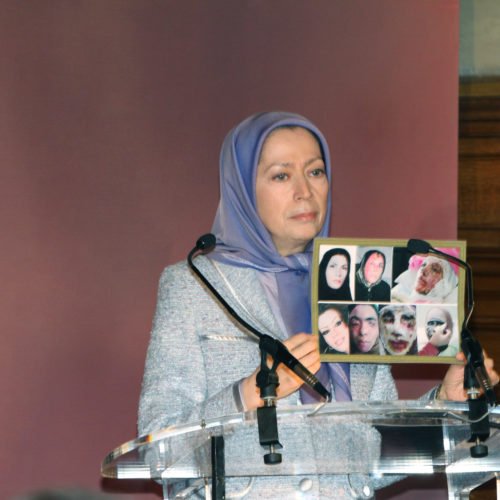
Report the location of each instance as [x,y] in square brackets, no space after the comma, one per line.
[174,388]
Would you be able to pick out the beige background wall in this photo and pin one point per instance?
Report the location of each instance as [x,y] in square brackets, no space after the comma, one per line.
[479,38]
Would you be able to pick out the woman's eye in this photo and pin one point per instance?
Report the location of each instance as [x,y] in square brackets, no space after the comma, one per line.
[436,269]
[317,172]
[280,177]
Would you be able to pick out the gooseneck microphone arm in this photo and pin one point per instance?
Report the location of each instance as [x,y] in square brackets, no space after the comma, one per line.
[273,346]
[470,346]
[475,374]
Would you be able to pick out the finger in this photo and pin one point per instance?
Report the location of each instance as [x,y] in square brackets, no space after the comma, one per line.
[494,377]
[298,339]
[492,373]
[311,361]
[308,358]
[306,353]
[304,348]
[489,364]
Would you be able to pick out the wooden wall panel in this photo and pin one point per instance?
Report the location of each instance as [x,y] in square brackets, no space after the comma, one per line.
[479,213]
[479,201]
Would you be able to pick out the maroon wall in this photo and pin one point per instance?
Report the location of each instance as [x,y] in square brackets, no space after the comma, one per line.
[113,112]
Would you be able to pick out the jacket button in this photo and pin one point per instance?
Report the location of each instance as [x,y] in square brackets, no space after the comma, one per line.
[367,491]
[305,484]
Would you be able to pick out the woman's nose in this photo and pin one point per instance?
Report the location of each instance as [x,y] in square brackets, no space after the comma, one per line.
[302,188]
[397,328]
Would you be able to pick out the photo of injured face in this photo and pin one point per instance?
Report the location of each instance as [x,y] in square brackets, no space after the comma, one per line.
[438,331]
[428,279]
[398,329]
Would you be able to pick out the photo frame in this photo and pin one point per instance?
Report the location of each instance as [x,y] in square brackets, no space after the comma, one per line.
[374,301]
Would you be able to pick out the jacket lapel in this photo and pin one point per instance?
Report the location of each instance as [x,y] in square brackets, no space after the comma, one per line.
[241,288]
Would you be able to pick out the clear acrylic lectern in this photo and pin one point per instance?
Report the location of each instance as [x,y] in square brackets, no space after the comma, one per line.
[401,437]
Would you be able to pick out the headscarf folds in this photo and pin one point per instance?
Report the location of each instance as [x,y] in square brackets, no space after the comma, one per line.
[242,238]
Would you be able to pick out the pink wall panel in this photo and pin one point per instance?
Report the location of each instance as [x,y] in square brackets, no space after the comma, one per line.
[113,113]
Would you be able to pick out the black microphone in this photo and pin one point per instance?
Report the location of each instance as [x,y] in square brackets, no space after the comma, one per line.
[206,242]
[418,246]
[273,346]
[470,346]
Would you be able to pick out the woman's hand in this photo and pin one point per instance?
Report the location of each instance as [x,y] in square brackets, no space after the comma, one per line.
[452,387]
[305,348]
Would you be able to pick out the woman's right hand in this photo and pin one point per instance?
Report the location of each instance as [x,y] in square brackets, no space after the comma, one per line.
[305,348]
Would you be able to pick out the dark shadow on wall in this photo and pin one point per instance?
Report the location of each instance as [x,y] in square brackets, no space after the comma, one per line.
[414,488]
[132,486]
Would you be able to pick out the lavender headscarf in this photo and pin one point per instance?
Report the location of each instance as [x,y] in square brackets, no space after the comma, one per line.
[243,240]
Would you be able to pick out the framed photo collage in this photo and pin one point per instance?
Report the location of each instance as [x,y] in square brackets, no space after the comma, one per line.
[375,301]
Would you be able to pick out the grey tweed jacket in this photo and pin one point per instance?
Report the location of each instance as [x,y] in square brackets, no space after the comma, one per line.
[197,353]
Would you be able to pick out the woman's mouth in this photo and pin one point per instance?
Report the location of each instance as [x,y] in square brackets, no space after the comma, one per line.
[421,286]
[338,343]
[304,217]
[398,346]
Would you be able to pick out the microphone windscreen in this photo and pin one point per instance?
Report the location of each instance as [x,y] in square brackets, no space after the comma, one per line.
[206,242]
[418,246]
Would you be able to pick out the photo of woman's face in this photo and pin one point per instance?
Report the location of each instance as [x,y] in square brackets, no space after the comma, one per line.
[374,267]
[336,271]
[334,330]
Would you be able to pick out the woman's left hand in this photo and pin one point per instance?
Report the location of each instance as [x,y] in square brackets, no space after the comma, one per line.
[452,387]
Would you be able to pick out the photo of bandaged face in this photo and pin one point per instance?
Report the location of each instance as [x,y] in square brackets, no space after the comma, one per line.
[429,274]
[398,328]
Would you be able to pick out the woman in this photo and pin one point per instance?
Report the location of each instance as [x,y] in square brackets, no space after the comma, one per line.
[333,329]
[334,272]
[275,177]
[369,283]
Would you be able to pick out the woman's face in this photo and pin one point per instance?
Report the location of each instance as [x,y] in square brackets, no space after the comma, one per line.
[291,189]
[364,327]
[374,267]
[336,271]
[334,330]
[429,274]
[398,328]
